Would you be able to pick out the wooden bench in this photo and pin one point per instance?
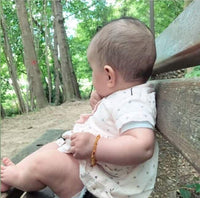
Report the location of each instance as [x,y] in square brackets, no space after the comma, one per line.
[178,100]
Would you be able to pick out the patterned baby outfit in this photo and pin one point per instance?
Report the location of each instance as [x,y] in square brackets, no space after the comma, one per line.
[125,109]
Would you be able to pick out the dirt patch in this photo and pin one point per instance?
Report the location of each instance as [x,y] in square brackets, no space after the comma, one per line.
[18,132]
[21,130]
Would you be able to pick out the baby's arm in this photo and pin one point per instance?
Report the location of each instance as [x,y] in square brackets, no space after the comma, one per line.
[131,148]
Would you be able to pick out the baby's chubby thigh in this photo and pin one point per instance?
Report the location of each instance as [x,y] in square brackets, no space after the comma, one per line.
[48,146]
[60,171]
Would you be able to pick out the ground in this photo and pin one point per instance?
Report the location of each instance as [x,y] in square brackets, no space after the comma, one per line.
[19,131]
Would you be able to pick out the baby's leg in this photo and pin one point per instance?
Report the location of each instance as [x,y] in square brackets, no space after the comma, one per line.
[64,173]
[50,168]
[7,162]
[51,145]
[13,175]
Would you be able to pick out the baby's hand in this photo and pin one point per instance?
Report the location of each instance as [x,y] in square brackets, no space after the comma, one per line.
[82,145]
[94,99]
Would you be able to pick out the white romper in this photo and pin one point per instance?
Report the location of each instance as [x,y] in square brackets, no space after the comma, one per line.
[125,109]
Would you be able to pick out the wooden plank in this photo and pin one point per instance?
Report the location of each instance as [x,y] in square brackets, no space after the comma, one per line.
[178,46]
[178,119]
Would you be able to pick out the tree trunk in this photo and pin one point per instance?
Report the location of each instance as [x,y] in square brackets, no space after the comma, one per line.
[57,68]
[47,50]
[3,113]
[70,85]
[11,64]
[31,63]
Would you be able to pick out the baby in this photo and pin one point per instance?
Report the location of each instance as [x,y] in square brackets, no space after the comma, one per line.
[112,153]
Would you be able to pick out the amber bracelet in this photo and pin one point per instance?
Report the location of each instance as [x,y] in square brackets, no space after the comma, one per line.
[93,159]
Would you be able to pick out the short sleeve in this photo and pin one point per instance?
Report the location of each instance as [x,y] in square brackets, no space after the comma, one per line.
[133,125]
[139,107]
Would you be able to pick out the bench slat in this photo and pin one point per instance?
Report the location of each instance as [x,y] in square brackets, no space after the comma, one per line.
[178,119]
[178,46]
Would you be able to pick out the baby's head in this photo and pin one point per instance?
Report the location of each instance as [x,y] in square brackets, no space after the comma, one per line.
[128,46]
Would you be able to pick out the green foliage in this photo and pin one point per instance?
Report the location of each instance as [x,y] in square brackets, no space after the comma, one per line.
[11,108]
[8,96]
[5,82]
[90,16]
[165,13]
[194,73]
[185,193]
[13,33]
[190,190]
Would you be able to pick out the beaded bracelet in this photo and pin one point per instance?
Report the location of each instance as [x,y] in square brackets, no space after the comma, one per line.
[93,159]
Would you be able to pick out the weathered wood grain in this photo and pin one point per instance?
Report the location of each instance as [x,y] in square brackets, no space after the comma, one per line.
[178,46]
[178,118]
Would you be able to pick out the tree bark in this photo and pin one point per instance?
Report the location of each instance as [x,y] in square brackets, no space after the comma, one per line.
[70,85]
[57,68]
[47,51]
[30,59]
[11,64]
[3,113]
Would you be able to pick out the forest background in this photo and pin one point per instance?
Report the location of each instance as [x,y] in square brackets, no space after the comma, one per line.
[44,42]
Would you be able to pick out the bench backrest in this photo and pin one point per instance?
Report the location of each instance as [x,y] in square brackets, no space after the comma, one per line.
[178,101]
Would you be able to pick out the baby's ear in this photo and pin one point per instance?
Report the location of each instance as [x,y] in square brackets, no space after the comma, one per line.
[111,76]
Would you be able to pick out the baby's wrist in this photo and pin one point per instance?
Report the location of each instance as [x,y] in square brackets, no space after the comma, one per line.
[93,153]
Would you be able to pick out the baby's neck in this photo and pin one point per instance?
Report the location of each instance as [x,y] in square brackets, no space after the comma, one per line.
[122,85]
[125,85]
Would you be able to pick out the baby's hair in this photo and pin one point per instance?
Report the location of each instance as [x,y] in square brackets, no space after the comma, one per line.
[127,45]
